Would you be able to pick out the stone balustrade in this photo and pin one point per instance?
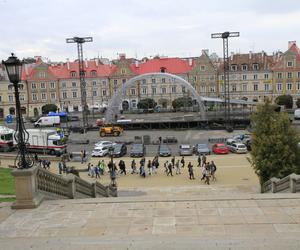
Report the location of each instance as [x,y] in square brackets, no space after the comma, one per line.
[290,183]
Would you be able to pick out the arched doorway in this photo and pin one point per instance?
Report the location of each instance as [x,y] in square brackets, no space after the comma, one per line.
[125,105]
[35,112]
[1,113]
[23,110]
[12,111]
[114,105]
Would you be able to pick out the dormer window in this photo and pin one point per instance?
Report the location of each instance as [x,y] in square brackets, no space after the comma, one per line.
[93,73]
[255,66]
[234,67]
[42,74]
[289,64]
[202,67]
[163,70]
[123,71]
[244,67]
[73,74]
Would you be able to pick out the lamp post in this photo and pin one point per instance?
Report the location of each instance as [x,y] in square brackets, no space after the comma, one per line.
[14,70]
[112,168]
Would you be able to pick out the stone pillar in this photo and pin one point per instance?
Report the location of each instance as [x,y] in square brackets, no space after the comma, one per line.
[274,182]
[94,191]
[27,195]
[71,185]
[293,179]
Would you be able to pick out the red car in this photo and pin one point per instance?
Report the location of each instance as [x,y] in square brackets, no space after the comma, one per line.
[220,148]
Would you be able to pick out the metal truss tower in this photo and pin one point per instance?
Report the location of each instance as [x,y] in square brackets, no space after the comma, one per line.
[80,41]
[225,36]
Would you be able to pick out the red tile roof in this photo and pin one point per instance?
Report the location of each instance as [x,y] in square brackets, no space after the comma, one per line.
[279,64]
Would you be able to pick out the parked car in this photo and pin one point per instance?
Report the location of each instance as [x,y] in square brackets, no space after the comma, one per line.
[76,129]
[137,150]
[201,149]
[100,122]
[100,144]
[170,139]
[220,148]
[73,118]
[185,149]
[164,150]
[120,149]
[229,143]
[100,151]
[238,148]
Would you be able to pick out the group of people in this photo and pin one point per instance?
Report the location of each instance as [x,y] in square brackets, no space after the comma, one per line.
[42,162]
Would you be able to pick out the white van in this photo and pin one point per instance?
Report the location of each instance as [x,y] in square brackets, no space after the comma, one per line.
[47,121]
[297,114]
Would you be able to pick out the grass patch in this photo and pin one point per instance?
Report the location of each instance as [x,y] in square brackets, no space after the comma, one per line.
[7,184]
[8,199]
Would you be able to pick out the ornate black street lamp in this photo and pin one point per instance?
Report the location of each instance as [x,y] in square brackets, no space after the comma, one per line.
[112,167]
[14,71]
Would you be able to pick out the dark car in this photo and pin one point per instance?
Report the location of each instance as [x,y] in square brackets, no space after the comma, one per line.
[164,150]
[73,118]
[202,149]
[77,129]
[120,149]
[137,150]
[170,139]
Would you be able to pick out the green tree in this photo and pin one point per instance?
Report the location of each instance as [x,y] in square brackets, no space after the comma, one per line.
[286,100]
[182,102]
[275,151]
[298,103]
[49,108]
[146,103]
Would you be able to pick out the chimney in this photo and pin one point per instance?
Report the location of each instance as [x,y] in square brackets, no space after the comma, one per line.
[231,55]
[262,54]
[250,54]
[190,61]
[86,63]
[291,43]
[97,62]
[136,63]
[68,64]
[122,56]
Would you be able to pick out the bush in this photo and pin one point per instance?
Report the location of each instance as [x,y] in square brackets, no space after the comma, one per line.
[182,102]
[49,108]
[286,100]
[298,103]
[147,103]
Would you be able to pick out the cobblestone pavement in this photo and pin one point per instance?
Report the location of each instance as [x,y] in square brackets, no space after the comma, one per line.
[183,221]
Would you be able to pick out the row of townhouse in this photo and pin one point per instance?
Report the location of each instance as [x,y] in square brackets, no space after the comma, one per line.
[253,77]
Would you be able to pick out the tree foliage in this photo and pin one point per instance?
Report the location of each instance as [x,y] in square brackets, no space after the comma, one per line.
[275,151]
[146,103]
[182,102]
[286,100]
[49,108]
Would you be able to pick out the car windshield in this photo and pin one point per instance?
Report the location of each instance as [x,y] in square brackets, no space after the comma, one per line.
[117,147]
[185,146]
[164,148]
[241,146]
[137,147]
[7,137]
[203,146]
[221,147]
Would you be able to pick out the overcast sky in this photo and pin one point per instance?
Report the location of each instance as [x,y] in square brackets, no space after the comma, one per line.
[144,27]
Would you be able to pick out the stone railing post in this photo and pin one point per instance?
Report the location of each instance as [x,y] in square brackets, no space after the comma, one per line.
[273,184]
[71,186]
[94,191]
[293,179]
[27,195]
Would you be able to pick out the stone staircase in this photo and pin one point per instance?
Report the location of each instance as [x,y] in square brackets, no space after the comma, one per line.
[288,184]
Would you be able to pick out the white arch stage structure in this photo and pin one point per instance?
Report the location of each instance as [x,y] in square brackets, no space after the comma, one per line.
[113,108]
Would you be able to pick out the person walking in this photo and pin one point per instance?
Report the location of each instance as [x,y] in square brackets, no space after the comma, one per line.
[173,161]
[81,156]
[92,171]
[149,166]
[133,167]
[203,160]
[142,170]
[207,174]
[60,167]
[191,171]
[102,167]
[213,169]
[97,172]
[166,164]
[182,162]
[122,167]
[170,167]
[177,167]
[153,166]
[199,160]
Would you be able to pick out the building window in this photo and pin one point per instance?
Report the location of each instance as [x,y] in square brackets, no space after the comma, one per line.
[173,89]
[93,73]
[289,86]
[74,94]
[73,74]
[290,64]
[33,97]
[255,66]
[123,71]
[279,86]
[202,67]
[65,95]
[144,81]
[244,77]
[21,86]
[244,67]
[203,89]
[298,85]
[33,85]
[255,77]
[279,75]
[43,85]
[144,91]
[94,83]
[95,93]
[10,87]
[212,89]
[163,90]
[52,85]
[84,93]
[10,98]
[289,75]
[234,67]
[233,88]
[163,80]
[298,74]
[74,84]
[0,98]
[53,96]
[183,89]
[115,83]
[42,74]
[267,87]
[153,91]
[63,85]
[266,76]
[255,87]
[103,92]
[132,91]
[104,83]
[153,80]
[43,96]
[163,70]
[244,87]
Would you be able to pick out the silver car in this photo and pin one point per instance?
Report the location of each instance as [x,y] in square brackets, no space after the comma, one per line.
[185,149]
